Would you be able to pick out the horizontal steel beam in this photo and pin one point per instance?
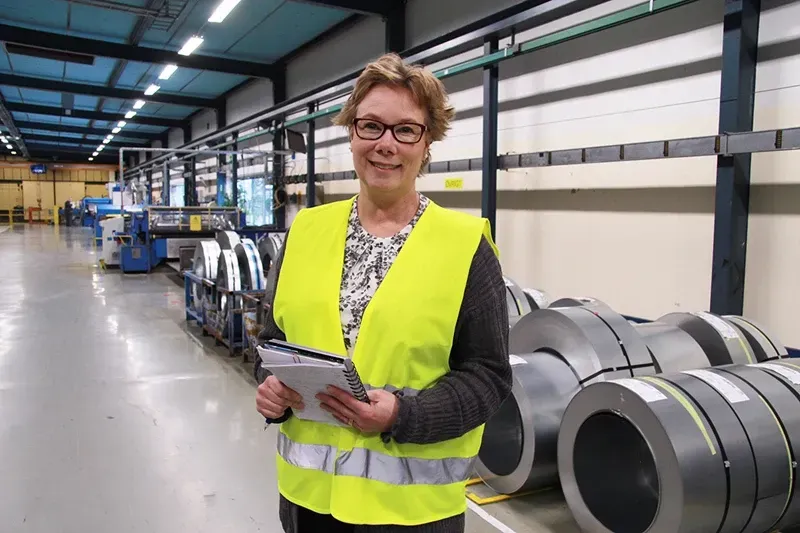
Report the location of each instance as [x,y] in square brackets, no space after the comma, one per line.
[96,47]
[363,7]
[74,140]
[64,128]
[43,84]
[92,115]
[709,146]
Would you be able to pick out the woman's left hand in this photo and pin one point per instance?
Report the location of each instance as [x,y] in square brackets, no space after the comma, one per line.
[374,417]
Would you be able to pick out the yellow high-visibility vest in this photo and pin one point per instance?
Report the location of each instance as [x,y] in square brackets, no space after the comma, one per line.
[404,343]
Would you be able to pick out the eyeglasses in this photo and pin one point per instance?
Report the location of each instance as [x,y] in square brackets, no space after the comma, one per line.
[371,130]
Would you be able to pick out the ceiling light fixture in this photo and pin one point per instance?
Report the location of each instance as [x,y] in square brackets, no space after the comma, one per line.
[91,159]
[190,45]
[9,147]
[130,114]
[100,148]
[106,141]
[152,89]
[139,104]
[95,154]
[13,153]
[121,124]
[3,139]
[168,71]
[222,10]
[116,130]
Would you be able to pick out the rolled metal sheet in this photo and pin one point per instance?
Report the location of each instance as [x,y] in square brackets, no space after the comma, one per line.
[227,239]
[720,340]
[620,467]
[516,301]
[633,346]
[518,451]
[765,345]
[250,267]
[269,248]
[536,298]
[228,277]
[767,440]
[734,448]
[778,503]
[576,335]
[204,265]
[671,348]
[576,302]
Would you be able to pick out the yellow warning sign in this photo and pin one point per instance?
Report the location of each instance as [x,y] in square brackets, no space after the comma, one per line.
[454,183]
[195,223]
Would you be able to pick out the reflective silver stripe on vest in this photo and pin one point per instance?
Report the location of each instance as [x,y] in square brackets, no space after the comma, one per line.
[369,464]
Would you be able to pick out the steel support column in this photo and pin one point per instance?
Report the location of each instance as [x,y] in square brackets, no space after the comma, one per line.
[737,93]
[279,95]
[395,27]
[165,183]
[311,188]
[489,164]
[189,185]
[149,174]
[235,172]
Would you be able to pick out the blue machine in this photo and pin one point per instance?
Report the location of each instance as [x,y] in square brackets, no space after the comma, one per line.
[88,209]
[150,228]
[102,211]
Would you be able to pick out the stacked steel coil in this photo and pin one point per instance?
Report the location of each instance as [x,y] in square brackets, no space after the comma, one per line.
[576,343]
[204,266]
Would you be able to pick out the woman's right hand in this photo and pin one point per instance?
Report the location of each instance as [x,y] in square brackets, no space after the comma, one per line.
[273,398]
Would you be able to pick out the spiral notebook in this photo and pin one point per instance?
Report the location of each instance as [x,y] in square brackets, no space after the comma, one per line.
[309,372]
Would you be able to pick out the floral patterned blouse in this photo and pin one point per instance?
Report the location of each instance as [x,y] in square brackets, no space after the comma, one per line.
[366,261]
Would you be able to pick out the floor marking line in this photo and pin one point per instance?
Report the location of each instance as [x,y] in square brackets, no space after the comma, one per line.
[497,524]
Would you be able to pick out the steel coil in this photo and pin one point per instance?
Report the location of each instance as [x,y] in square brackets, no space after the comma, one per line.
[720,340]
[695,451]
[633,347]
[671,348]
[250,267]
[269,248]
[204,266]
[228,277]
[516,300]
[536,298]
[227,239]
[766,346]
[519,444]
[580,348]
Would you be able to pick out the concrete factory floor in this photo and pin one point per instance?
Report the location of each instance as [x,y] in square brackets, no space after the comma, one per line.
[118,417]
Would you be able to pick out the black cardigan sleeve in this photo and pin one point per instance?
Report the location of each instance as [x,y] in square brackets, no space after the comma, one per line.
[480,373]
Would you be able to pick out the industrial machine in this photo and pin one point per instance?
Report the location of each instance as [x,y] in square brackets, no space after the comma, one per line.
[158,233]
[88,210]
[113,231]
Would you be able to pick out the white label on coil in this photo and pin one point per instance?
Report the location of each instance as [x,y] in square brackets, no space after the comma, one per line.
[723,385]
[516,360]
[788,373]
[724,329]
[647,392]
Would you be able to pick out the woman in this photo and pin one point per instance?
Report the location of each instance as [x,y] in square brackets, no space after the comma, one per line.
[414,294]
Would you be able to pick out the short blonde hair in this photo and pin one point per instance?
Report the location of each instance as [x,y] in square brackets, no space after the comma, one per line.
[428,92]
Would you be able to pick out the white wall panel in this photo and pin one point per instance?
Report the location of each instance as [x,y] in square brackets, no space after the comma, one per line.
[204,123]
[254,97]
[426,20]
[340,55]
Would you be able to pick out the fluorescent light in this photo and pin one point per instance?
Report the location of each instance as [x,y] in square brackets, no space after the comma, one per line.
[130,114]
[168,71]
[152,89]
[106,141]
[13,153]
[95,154]
[190,46]
[91,159]
[121,124]
[139,104]
[9,147]
[3,139]
[100,148]
[223,9]
[116,130]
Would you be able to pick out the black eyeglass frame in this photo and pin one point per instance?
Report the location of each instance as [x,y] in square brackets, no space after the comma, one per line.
[389,127]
